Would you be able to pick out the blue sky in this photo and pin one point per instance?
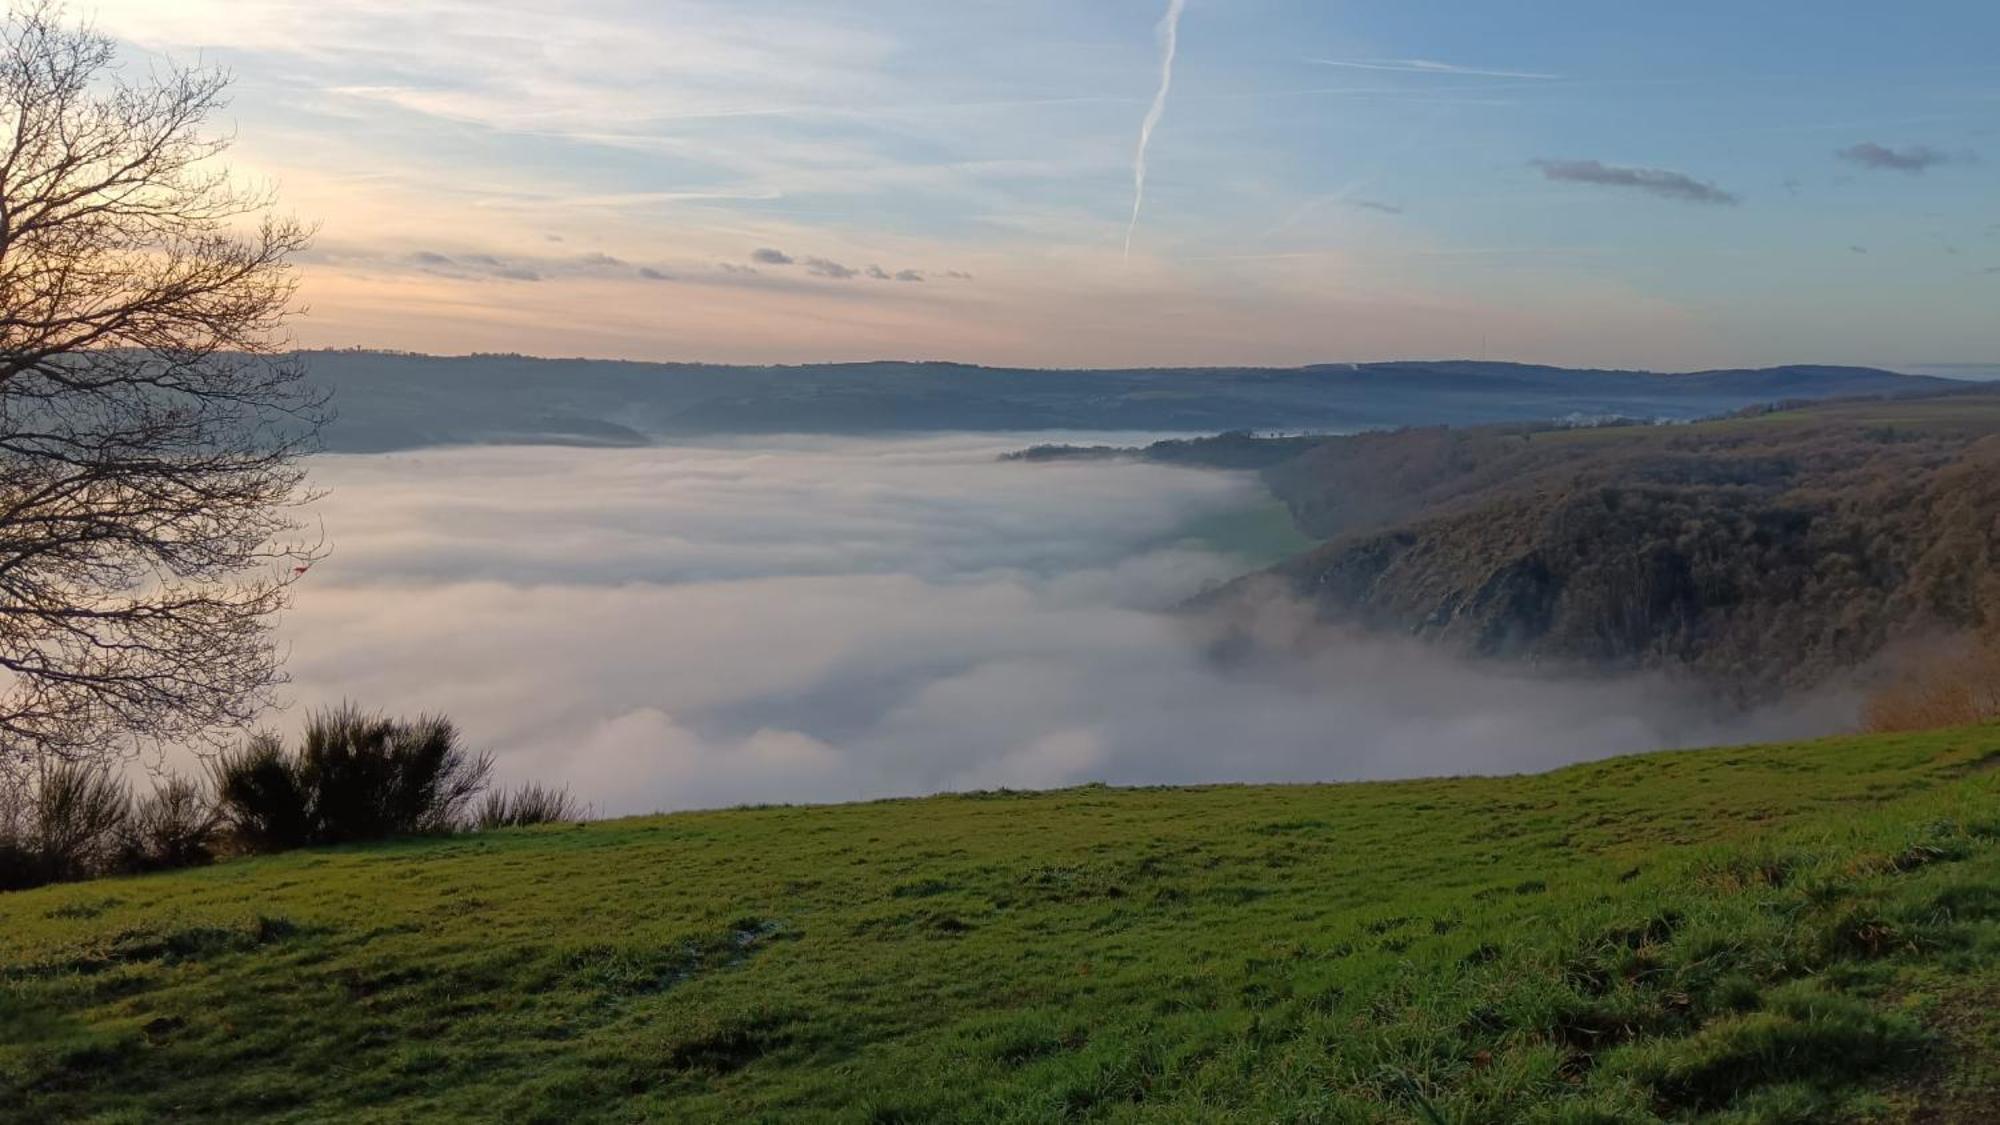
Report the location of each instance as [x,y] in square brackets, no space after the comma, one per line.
[1683,185]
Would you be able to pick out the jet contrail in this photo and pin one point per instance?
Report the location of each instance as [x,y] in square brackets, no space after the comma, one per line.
[1169,34]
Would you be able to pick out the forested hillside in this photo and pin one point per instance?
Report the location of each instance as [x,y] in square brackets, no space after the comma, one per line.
[1770,551]
[1760,553]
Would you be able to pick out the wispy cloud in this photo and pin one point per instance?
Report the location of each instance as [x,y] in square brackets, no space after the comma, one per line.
[1375,205]
[1912,159]
[482,265]
[770,256]
[685,133]
[472,266]
[1429,66]
[1169,31]
[1653,181]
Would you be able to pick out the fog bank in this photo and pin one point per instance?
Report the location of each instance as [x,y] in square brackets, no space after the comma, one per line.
[828,619]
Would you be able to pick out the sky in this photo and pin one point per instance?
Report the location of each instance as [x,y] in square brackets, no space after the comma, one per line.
[1684,185]
[825,619]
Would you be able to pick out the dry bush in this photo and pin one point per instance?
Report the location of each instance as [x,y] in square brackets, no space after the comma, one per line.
[177,825]
[527,805]
[18,867]
[1952,687]
[80,813]
[60,823]
[354,776]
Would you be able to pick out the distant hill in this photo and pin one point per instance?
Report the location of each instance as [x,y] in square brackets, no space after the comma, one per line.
[391,400]
[1760,553]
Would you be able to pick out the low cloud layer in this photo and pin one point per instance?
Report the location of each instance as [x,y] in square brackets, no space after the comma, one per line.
[816,620]
[1913,159]
[1653,181]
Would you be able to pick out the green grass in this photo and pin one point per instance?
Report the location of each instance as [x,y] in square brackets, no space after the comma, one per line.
[1259,534]
[1799,933]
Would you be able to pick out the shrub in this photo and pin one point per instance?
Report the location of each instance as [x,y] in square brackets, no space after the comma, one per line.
[529,804]
[355,776]
[62,822]
[18,868]
[177,825]
[1952,687]
[262,797]
[79,813]
[372,776]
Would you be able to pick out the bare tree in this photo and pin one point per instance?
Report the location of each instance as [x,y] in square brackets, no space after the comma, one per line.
[151,420]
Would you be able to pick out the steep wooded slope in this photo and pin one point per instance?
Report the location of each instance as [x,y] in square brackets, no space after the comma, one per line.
[1761,553]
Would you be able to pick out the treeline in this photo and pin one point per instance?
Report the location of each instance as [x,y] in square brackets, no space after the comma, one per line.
[1237,449]
[352,777]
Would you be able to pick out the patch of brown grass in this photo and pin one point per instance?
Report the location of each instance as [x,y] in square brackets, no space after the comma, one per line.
[1955,686]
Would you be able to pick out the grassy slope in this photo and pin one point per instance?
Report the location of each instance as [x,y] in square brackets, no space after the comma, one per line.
[1260,534]
[1778,933]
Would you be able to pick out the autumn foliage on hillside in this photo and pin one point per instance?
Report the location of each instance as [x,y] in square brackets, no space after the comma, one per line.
[1956,686]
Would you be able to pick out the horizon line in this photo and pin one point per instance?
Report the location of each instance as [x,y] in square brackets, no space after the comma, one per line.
[408,353]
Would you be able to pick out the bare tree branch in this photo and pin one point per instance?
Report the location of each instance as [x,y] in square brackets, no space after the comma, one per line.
[151,421]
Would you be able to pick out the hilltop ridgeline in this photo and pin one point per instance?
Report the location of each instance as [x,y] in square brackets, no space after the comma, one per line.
[391,400]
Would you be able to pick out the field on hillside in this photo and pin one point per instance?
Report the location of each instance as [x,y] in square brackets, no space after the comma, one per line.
[1785,933]
[1261,535]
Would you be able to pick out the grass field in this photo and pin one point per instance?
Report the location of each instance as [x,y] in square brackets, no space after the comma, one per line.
[1788,933]
[1259,534]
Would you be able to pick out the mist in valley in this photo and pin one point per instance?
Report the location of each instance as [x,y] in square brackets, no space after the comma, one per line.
[824,619]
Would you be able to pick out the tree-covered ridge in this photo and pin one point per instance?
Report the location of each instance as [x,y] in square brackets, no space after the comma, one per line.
[1761,553]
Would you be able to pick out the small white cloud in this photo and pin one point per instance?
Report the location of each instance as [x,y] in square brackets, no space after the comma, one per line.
[826,267]
[1912,159]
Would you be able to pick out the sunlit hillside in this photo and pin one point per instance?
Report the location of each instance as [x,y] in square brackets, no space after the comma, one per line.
[1782,933]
